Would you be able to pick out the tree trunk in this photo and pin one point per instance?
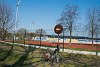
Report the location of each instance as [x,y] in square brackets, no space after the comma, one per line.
[92,38]
[63,40]
[92,31]
[70,37]
[3,35]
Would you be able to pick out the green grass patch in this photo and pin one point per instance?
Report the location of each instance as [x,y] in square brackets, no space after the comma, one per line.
[2,53]
[12,58]
[32,57]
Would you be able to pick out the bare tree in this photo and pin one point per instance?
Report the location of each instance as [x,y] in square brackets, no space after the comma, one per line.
[41,31]
[68,18]
[6,18]
[93,25]
[21,33]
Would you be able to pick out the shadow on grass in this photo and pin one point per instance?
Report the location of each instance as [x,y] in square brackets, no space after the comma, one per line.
[34,64]
[23,57]
[7,54]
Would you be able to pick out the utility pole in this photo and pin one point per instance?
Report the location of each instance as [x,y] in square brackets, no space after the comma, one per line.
[17,5]
[32,26]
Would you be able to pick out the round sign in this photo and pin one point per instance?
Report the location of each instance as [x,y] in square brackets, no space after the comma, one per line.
[58,29]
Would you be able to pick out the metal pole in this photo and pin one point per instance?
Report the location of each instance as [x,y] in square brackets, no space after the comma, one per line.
[57,57]
[13,37]
[58,38]
[40,36]
[24,36]
[32,25]
[63,40]
[16,18]
[97,46]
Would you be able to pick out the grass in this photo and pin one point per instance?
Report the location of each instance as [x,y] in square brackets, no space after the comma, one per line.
[20,56]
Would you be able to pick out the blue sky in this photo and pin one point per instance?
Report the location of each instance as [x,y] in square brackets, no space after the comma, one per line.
[44,13]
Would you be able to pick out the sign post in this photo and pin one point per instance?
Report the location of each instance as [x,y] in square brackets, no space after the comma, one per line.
[58,29]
